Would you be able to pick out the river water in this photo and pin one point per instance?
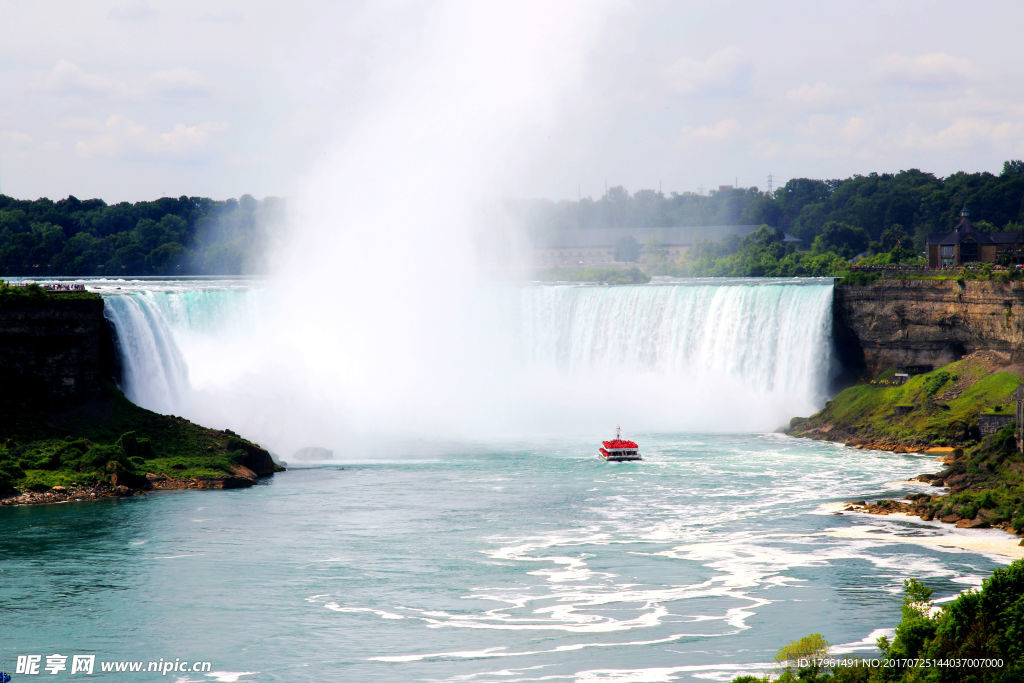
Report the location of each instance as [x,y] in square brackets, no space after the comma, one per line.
[485,558]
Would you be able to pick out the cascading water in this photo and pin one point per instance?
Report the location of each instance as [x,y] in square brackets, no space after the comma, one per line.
[700,355]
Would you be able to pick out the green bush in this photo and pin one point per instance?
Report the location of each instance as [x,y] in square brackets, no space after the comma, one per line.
[135,447]
[935,382]
[10,473]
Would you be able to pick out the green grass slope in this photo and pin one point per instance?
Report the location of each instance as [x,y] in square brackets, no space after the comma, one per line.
[939,408]
[115,443]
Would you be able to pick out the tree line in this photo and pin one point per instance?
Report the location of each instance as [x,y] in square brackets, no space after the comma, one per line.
[183,236]
[887,214]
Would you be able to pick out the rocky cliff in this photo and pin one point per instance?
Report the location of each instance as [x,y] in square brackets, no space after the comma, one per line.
[67,433]
[893,323]
[55,349]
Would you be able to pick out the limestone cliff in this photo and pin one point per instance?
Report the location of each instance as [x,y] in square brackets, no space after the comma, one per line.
[894,323]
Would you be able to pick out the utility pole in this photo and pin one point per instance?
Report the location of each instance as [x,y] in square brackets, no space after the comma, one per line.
[770,179]
[579,205]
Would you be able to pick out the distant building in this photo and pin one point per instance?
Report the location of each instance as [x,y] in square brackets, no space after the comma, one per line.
[598,246]
[967,244]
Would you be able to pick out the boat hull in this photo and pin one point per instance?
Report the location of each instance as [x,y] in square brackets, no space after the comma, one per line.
[612,456]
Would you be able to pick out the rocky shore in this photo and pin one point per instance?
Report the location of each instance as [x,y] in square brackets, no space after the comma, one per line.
[242,477]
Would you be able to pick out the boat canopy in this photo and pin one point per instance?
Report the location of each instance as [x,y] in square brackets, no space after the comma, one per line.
[619,443]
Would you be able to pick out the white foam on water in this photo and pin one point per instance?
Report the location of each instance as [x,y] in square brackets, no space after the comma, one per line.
[230,676]
[505,673]
[493,652]
[667,674]
[867,643]
[992,543]
[335,607]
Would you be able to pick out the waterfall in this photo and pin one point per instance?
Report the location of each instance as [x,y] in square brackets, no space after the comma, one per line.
[771,337]
[697,355]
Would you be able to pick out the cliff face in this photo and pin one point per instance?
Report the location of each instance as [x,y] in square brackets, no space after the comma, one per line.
[54,350]
[894,323]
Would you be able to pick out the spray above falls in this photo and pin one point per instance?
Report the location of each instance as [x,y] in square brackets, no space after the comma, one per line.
[379,320]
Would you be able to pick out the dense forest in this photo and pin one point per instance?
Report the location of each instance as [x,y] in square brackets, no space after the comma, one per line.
[183,236]
[904,206]
[809,227]
[889,215]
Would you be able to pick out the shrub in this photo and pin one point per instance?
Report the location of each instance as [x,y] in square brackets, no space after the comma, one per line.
[134,447]
[935,382]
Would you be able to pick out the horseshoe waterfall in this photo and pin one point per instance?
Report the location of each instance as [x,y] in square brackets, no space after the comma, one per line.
[693,355]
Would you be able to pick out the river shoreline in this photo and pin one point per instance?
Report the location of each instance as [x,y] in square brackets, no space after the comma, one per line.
[242,478]
[909,508]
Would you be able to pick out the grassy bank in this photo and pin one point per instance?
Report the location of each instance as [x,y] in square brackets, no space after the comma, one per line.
[978,635]
[984,477]
[940,408]
[114,446]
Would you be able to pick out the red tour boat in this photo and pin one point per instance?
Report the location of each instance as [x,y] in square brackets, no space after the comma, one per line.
[619,449]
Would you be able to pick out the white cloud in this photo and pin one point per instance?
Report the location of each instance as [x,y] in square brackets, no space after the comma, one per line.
[67,78]
[814,94]
[932,69]
[15,138]
[715,132]
[122,137]
[133,10]
[725,70]
[854,128]
[178,82]
[222,17]
[967,132]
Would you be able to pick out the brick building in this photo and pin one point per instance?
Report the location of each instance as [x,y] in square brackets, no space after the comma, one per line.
[966,244]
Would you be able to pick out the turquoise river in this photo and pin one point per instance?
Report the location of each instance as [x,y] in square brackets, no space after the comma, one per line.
[506,553]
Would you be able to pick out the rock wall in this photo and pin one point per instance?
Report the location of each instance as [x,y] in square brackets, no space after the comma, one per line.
[894,323]
[55,349]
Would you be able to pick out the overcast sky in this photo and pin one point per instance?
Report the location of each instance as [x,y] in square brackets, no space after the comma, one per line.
[140,99]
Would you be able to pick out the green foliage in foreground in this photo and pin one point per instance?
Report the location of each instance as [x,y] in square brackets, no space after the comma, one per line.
[946,403]
[611,276]
[980,635]
[88,444]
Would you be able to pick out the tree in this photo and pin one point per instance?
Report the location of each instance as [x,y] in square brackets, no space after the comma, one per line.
[627,249]
[1012,168]
[846,240]
[805,655]
[893,235]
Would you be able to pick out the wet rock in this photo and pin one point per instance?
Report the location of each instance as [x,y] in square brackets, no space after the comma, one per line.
[973,524]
